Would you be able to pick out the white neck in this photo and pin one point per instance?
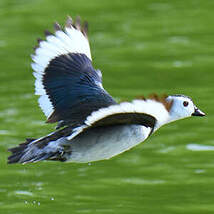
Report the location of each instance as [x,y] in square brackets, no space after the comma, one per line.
[171,118]
[176,115]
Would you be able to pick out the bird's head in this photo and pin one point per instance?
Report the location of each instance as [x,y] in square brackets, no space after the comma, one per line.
[183,106]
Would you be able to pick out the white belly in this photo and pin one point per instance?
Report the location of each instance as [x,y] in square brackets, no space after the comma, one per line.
[104,143]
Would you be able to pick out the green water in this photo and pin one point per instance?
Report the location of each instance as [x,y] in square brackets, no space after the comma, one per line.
[141,47]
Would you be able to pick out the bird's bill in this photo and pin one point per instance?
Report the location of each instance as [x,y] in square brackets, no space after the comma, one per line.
[198,112]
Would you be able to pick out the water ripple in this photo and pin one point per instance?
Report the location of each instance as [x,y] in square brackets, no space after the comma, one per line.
[197,147]
[22,192]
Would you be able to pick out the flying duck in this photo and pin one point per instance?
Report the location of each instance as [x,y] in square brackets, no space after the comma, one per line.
[91,125]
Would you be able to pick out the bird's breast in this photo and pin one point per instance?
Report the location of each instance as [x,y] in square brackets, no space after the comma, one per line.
[105,142]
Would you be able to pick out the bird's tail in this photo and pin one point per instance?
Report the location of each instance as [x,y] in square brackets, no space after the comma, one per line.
[37,150]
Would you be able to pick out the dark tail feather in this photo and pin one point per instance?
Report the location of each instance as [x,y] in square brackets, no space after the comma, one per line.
[30,151]
[17,152]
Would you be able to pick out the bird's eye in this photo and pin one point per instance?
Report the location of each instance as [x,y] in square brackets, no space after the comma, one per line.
[185,103]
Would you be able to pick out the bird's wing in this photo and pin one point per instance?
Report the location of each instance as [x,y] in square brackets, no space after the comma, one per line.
[149,112]
[68,85]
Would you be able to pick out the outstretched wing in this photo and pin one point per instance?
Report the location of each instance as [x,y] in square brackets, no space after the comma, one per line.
[68,85]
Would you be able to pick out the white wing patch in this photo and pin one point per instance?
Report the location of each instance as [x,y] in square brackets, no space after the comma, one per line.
[150,107]
[45,105]
[71,40]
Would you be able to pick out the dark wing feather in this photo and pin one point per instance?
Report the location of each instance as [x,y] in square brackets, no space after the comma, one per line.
[74,88]
[125,119]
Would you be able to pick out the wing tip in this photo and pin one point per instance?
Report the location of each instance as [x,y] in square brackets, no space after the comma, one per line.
[69,23]
[57,27]
[47,33]
[77,23]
